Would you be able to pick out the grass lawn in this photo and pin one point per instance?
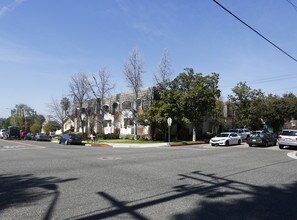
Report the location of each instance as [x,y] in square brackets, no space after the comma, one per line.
[124,141]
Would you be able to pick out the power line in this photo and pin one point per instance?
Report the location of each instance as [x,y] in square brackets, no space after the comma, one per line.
[292,4]
[273,78]
[268,79]
[255,31]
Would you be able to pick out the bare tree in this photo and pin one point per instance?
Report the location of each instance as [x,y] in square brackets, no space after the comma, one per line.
[79,91]
[59,111]
[101,87]
[164,69]
[164,73]
[133,70]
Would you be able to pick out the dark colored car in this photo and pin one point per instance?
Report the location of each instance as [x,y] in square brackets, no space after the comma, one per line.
[70,139]
[261,138]
[29,136]
[12,132]
[41,137]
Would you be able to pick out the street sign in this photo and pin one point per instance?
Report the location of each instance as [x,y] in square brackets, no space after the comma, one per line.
[169,121]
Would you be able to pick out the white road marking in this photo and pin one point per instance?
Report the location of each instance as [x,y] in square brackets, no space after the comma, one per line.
[19,147]
[108,158]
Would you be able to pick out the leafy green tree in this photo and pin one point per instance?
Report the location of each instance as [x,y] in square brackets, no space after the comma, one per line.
[275,111]
[35,128]
[291,105]
[216,116]
[256,109]
[193,96]
[5,122]
[247,106]
[51,126]
[156,115]
[279,109]
[20,115]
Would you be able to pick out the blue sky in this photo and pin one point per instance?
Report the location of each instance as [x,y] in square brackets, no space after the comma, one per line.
[43,43]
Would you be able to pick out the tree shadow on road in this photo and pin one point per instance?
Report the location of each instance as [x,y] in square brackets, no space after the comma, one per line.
[22,190]
[217,198]
[230,199]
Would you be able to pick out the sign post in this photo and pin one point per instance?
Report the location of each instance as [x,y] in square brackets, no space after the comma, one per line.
[169,122]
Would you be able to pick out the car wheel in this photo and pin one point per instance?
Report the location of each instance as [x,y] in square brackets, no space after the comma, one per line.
[281,146]
[239,142]
[227,143]
[59,142]
[250,145]
[274,144]
[267,144]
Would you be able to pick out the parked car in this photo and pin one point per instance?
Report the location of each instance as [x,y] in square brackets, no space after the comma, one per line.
[70,139]
[29,136]
[247,132]
[12,132]
[226,138]
[243,132]
[261,138]
[2,131]
[288,137]
[41,137]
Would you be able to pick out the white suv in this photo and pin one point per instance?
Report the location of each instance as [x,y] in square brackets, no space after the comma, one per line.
[2,131]
[288,137]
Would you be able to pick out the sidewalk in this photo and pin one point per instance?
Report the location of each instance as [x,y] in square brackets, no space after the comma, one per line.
[116,145]
[293,154]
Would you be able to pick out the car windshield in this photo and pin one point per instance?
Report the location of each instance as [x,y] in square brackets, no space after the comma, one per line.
[289,133]
[258,135]
[74,135]
[223,135]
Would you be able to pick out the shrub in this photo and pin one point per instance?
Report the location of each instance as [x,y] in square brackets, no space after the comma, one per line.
[111,136]
[127,136]
[99,136]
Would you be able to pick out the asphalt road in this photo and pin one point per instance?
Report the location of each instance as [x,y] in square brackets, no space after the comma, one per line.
[41,180]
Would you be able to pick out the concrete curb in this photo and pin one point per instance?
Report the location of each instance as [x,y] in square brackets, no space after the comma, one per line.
[293,155]
[139,145]
[188,144]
